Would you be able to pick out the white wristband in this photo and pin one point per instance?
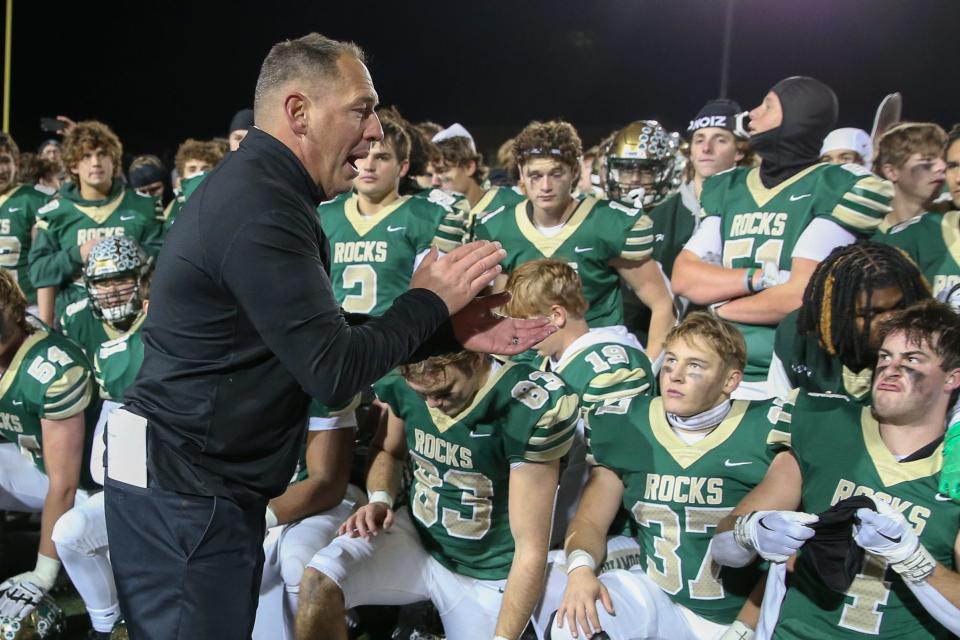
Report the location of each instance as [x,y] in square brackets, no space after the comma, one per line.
[383,497]
[47,569]
[500,638]
[271,518]
[580,558]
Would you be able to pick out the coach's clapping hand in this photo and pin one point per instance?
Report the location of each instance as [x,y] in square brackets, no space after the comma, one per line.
[457,278]
[460,275]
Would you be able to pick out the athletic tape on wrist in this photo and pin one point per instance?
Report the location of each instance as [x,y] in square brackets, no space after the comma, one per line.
[741,532]
[580,558]
[383,497]
[917,567]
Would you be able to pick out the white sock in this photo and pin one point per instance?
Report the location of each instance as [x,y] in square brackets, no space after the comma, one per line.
[93,578]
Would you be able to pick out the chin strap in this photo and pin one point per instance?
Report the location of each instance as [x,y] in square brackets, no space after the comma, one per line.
[705,420]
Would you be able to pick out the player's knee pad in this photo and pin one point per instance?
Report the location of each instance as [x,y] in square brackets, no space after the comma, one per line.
[77,531]
[291,568]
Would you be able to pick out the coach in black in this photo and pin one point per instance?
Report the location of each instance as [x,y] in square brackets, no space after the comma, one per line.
[243,329]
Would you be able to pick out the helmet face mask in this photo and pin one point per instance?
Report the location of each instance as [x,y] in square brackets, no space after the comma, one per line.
[640,164]
[113,277]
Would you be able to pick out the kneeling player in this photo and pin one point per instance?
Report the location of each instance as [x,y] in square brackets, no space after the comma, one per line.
[484,441]
[44,389]
[678,463]
[907,585]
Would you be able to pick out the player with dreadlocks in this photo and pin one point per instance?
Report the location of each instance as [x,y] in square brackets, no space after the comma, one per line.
[830,344]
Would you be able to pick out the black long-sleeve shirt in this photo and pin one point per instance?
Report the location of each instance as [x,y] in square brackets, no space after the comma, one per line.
[243,329]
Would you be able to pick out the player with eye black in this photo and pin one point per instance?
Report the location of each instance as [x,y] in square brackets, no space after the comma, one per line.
[678,463]
[875,470]
[830,344]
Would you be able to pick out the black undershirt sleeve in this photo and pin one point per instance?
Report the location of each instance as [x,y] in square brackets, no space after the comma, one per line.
[274,271]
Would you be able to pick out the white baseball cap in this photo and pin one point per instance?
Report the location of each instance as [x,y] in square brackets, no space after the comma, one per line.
[850,138]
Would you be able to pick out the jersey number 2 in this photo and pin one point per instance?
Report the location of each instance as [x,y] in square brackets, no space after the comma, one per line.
[364,276]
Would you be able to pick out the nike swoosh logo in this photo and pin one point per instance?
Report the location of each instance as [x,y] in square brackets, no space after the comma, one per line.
[486,217]
[885,536]
[582,249]
[392,229]
[125,218]
[942,498]
[14,209]
[727,463]
[17,403]
[479,435]
[795,198]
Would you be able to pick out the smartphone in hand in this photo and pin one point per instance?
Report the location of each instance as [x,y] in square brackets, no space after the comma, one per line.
[52,125]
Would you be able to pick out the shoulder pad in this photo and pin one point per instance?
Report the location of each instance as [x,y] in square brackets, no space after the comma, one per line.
[856,169]
[74,308]
[50,206]
[438,196]
[622,208]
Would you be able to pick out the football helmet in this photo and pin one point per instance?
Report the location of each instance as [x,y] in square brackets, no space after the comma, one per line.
[120,262]
[640,164]
[46,622]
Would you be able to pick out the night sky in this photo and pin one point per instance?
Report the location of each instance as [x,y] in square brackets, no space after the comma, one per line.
[160,72]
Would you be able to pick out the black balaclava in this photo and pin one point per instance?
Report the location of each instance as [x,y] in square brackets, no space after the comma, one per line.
[809,114]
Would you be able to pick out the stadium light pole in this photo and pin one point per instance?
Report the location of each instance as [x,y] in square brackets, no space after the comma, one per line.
[7,48]
[727,38]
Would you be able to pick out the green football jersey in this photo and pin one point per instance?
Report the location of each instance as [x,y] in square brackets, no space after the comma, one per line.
[372,257]
[677,493]
[932,240]
[49,377]
[461,464]
[117,363]
[810,368]
[673,224]
[601,366]
[78,323]
[596,233]
[838,447]
[494,199]
[64,224]
[187,187]
[18,215]
[761,225]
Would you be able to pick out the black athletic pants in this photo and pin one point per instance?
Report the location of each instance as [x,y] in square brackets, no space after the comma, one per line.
[186,567]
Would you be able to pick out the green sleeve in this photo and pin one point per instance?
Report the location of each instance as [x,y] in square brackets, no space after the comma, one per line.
[541,419]
[854,198]
[51,265]
[151,236]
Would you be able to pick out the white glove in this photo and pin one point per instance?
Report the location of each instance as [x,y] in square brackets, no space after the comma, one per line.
[886,533]
[775,535]
[22,593]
